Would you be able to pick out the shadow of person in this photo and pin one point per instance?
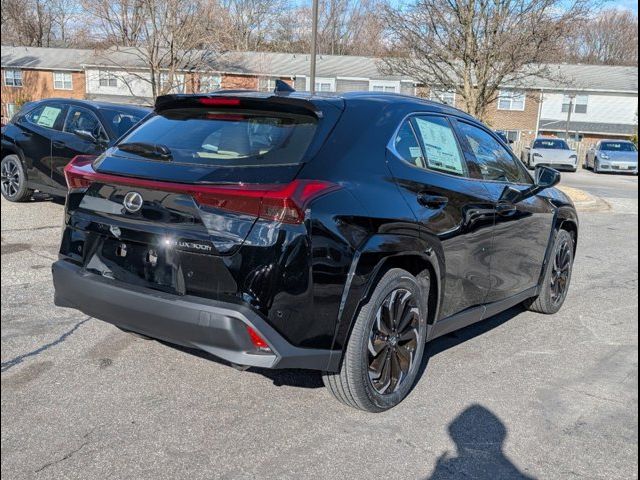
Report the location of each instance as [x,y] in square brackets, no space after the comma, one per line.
[479,436]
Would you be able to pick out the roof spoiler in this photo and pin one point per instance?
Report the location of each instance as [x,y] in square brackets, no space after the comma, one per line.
[246,100]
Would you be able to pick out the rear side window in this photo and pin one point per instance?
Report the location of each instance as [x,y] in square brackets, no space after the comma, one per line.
[440,145]
[492,161]
[121,122]
[81,119]
[228,138]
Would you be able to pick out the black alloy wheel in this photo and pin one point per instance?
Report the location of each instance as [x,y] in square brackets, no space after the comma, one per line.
[393,341]
[13,180]
[383,357]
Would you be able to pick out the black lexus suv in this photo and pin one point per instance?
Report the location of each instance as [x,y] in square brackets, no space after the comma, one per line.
[44,136]
[335,233]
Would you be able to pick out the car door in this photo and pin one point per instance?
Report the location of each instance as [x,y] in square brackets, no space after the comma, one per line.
[36,129]
[452,209]
[523,230]
[73,140]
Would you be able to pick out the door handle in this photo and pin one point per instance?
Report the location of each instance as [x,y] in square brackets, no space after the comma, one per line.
[432,201]
[59,144]
[506,209]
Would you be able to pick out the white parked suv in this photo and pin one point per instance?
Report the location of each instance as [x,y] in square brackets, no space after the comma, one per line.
[613,156]
[551,152]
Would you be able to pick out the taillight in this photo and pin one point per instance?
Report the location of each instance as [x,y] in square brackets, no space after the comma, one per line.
[78,172]
[281,203]
[285,203]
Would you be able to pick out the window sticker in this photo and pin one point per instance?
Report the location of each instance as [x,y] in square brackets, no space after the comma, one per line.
[48,117]
[416,152]
[441,147]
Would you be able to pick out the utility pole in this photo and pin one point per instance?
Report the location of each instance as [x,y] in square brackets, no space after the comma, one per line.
[571,98]
[314,46]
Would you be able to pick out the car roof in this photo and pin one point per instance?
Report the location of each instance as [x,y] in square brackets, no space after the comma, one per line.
[100,105]
[419,104]
[615,140]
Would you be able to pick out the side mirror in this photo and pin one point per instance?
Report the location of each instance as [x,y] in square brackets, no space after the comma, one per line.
[546,178]
[86,135]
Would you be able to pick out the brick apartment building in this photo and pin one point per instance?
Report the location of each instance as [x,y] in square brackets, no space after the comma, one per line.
[603,100]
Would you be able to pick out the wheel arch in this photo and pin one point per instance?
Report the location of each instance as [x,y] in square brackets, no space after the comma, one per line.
[377,256]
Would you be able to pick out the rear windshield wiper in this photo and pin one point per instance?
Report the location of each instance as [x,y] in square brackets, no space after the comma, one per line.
[156,151]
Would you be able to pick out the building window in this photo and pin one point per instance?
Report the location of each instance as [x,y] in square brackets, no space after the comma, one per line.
[266,84]
[448,97]
[511,100]
[107,79]
[579,103]
[510,136]
[11,110]
[387,87]
[210,83]
[13,78]
[175,86]
[323,84]
[62,81]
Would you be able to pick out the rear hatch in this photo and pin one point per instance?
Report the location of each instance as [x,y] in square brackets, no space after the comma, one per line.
[169,205]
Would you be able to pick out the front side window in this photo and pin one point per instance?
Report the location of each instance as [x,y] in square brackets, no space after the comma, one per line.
[448,97]
[492,161]
[62,81]
[13,78]
[46,116]
[511,100]
[107,79]
[440,146]
[577,103]
[81,119]
[222,138]
[121,121]
[509,135]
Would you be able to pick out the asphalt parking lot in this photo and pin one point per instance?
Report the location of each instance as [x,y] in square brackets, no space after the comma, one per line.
[518,396]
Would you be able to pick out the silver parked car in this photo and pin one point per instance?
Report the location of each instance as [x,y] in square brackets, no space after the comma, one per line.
[613,156]
[552,152]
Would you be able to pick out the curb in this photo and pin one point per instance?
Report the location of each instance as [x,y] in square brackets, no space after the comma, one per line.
[584,201]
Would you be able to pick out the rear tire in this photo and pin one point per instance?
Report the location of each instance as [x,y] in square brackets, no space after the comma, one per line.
[557,278]
[384,353]
[14,180]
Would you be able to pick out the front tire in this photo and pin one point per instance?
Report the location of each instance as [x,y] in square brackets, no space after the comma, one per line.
[383,356]
[14,180]
[596,166]
[557,278]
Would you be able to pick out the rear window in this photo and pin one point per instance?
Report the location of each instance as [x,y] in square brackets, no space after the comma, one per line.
[551,144]
[229,138]
[618,147]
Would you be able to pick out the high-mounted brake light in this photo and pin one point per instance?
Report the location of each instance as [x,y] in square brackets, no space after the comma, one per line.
[219,101]
[280,203]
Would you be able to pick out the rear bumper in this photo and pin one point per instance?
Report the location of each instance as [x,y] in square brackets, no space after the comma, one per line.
[216,327]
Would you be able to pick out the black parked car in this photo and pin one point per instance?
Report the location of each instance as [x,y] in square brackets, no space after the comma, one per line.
[335,233]
[44,136]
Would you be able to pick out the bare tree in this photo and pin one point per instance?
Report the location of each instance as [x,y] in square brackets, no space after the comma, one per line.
[27,22]
[608,38]
[157,42]
[474,47]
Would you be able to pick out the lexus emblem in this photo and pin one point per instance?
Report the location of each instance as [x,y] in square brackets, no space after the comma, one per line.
[132,202]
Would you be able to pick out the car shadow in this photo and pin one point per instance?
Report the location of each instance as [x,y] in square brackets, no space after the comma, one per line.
[479,436]
[313,379]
